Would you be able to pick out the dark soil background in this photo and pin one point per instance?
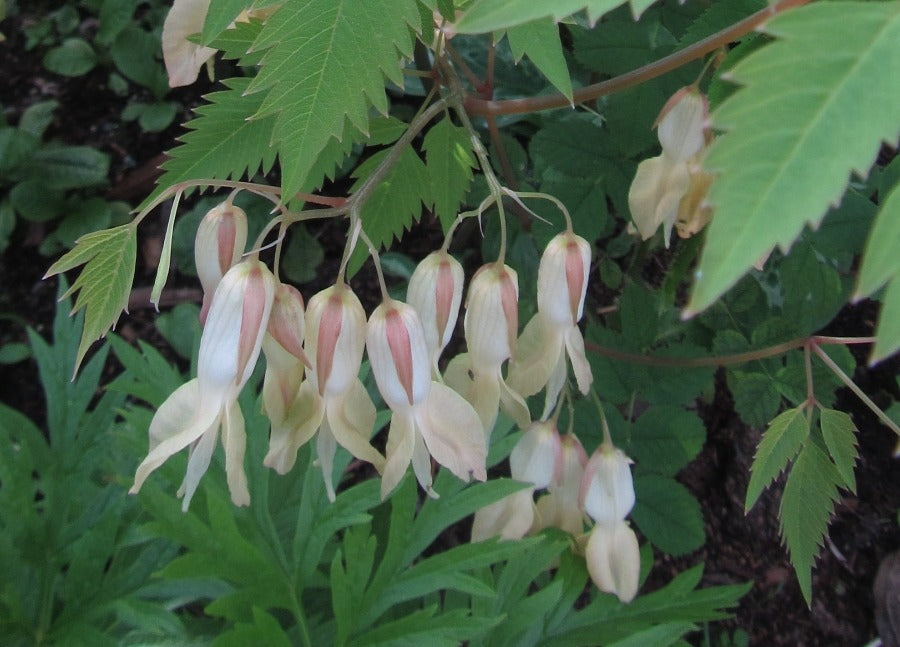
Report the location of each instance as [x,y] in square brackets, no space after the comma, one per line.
[739,548]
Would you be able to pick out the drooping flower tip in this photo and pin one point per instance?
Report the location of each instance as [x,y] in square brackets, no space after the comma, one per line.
[562,279]
[335,337]
[398,353]
[435,292]
[614,559]
[607,488]
[537,457]
[219,243]
[492,315]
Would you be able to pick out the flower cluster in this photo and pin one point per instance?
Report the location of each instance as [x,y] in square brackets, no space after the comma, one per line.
[670,190]
[314,353]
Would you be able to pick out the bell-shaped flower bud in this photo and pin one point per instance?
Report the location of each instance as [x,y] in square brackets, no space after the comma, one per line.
[562,279]
[607,489]
[221,237]
[285,359]
[287,324]
[682,123]
[492,316]
[399,355]
[435,291]
[560,507]
[335,338]
[509,518]
[614,559]
[536,458]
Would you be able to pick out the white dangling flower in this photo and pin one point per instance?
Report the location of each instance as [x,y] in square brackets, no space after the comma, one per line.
[192,415]
[553,333]
[509,518]
[614,559]
[183,59]
[435,291]
[607,488]
[218,245]
[491,324]
[560,507]
[428,418]
[536,457]
[332,400]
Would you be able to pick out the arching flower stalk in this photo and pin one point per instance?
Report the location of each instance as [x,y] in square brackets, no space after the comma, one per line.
[332,400]
[428,418]
[192,416]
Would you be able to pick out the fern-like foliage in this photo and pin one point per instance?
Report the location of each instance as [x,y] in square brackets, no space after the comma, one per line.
[817,105]
[325,61]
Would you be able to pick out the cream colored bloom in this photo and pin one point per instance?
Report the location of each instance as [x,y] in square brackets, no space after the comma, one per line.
[553,333]
[194,413]
[607,488]
[332,400]
[428,418]
[560,507]
[614,559]
[509,518]
[183,58]
[435,291]
[491,325]
[536,458]
[218,245]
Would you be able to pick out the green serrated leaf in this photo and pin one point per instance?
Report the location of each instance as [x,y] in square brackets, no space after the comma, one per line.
[668,514]
[219,16]
[539,40]
[104,284]
[780,443]
[449,160]
[491,15]
[716,17]
[839,433]
[881,261]
[756,397]
[806,505]
[801,123]
[323,66]
[222,142]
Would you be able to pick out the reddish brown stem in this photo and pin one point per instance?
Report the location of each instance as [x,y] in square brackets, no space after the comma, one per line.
[482,107]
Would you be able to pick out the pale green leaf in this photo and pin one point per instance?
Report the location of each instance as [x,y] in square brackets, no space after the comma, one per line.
[881,260]
[74,57]
[756,397]
[219,16]
[888,332]
[806,505]
[539,40]
[323,65]
[69,167]
[222,141]
[839,433]
[491,15]
[797,131]
[668,514]
[449,160]
[37,117]
[781,442]
[718,16]
[104,284]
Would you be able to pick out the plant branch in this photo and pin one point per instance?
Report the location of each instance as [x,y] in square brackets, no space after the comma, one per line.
[482,107]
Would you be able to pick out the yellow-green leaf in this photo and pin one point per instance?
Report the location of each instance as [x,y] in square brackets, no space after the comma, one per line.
[839,433]
[104,284]
[781,442]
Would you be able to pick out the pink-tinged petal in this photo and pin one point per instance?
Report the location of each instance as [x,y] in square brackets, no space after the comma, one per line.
[183,58]
[537,353]
[226,237]
[573,462]
[326,446]
[401,352]
[453,433]
[198,462]
[562,279]
[303,420]
[329,331]
[491,321]
[614,560]
[259,294]
[219,243]
[580,365]
[234,442]
[400,445]
[284,374]
[509,299]
[435,292]
[421,462]
[513,404]
[287,323]
[509,518]
[576,277]
[555,383]
[351,417]
[398,354]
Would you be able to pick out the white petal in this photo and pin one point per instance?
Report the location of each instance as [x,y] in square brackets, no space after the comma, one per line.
[681,127]
[607,486]
[452,432]
[513,404]
[509,518]
[183,58]
[481,390]
[580,365]
[435,291]
[613,560]
[537,353]
[198,463]
[658,187]
[537,455]
[351,417]
[303,420]
[421,462]
[398,354]
[234,442]
[325,450]
[400,445]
